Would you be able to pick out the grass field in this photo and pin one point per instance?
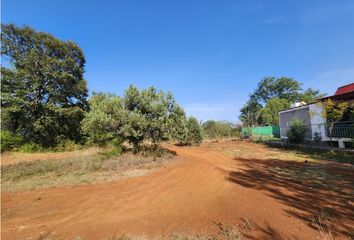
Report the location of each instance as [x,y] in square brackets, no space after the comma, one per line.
[23,171]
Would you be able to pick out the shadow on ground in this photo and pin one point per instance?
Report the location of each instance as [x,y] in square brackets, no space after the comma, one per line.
[321,195]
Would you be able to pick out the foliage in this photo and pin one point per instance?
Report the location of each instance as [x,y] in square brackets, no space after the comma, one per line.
[30,147]
[333,112]
[146,114]
[250,113]
[297,131]
[106,118]
[286,90]
[116,148]
[215,129]
[179,126]
[194,133]
[310,95]
[66,145]
[151,115]
[271,87]
[10,140]
[270,112]
[43,90]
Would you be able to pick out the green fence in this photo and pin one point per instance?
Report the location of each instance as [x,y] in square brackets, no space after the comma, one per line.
[262,131]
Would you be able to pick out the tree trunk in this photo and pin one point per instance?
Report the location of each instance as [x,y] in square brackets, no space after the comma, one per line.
[330,134]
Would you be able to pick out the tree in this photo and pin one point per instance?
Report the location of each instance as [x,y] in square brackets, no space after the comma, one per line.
[194,133]
[250,113]
[43,90]
[333,112]
[151,114]
[271,87]
[106,119]
[273,107]
[310,95]
[179,126]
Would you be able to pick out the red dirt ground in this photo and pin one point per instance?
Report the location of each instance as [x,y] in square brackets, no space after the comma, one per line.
[201,188]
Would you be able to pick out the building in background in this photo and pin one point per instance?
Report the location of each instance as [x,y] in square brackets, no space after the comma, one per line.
[311,115]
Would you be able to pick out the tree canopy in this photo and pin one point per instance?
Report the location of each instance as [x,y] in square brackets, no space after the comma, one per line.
[270,112]
[280,92]
[147,114]
[43,89]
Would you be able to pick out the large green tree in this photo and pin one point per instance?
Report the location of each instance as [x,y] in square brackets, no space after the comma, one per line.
[250,113]
[43,89]
[271,87]
[284,88]
[269,114]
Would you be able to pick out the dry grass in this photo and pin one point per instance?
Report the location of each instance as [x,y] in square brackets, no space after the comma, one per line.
[78,167]
[249,150]
[8,158]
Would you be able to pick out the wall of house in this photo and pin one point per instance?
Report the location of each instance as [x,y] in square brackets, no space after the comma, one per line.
[287,116]
[316,119]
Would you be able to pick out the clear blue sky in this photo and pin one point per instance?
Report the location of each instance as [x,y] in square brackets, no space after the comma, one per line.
[210,54]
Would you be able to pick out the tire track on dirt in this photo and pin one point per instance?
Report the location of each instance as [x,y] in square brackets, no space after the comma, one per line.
[185,196]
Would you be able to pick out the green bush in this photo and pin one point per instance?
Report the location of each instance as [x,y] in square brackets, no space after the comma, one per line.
[297,131]
[118,145]
[217,129]
[115,149]
[67,145]
[30,148]
[194,134]
[9,140]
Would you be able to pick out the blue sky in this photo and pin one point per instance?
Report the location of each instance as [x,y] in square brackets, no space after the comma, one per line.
[210,54]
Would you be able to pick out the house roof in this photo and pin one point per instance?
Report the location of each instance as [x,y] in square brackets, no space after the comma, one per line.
[345,89]
[344,93]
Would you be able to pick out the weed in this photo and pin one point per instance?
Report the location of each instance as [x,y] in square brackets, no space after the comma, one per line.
[321,220]
[76,169]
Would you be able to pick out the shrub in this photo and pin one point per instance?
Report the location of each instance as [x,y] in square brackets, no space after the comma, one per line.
[66,145]
[115,149]
[30,148]
[194,134]
[297,131]
[216,129]
[9,140]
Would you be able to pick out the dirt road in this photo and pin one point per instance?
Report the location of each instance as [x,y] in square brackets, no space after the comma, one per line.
[199,189]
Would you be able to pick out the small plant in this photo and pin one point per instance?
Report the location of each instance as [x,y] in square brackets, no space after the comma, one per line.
[30,148]
[297,131]
[321,222]
[66,145]
[9,140]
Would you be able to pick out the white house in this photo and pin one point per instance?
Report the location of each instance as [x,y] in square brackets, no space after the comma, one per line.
[311,115]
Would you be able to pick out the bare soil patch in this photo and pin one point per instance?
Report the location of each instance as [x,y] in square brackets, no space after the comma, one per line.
[260,192]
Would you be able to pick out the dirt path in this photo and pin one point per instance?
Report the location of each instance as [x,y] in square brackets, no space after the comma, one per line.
[189,195]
